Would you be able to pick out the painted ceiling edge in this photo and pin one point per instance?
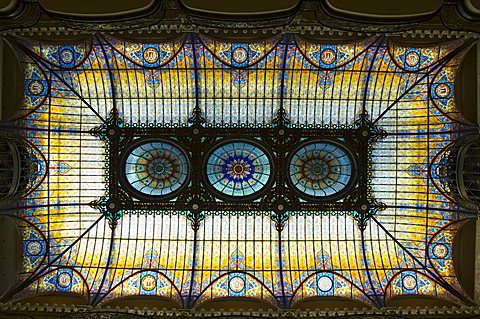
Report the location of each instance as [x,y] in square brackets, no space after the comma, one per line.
[300,39]
[418,34]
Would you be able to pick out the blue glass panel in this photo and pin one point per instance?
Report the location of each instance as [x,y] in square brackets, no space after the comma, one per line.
[238,169]
[157,168]
[320,169]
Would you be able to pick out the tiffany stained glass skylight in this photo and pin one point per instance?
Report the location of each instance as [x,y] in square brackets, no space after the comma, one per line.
[321,169]
[154,168]
[238,169]
[282,169]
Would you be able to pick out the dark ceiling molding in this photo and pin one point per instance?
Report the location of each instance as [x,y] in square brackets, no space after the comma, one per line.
[27,14]
[87,312]
[385,12]
[349,22]
[460,17]
[230,24]
[133,20]
[71,12]
[120,315]
[273,9]
[454,15]
[470,9]
[241,21]
[11,9]
[105,315]
[308,16]
[22,15]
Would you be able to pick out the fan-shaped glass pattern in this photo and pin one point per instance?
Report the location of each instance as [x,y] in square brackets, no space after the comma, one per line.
[238,169]
[321,169]
[156,168]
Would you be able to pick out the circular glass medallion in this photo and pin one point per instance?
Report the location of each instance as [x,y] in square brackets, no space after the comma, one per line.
[150,55]
[324,283]
[239,55]
[321,169]
[34,248]
[412,58]
[440,250]
[64,279]
[409,282]
[239,169]
[35,87]
[236,284]
[66,56]
[148,282]
[442,90]
[155,168]
[328,56]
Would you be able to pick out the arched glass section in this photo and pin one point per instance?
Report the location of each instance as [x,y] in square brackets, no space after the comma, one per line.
[156,168]
[307,160]
[321,169]
[239,169]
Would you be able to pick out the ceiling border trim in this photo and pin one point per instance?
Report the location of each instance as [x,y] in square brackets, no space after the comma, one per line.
[268,313]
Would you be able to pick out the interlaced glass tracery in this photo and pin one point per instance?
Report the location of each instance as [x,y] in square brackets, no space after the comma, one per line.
[383,111]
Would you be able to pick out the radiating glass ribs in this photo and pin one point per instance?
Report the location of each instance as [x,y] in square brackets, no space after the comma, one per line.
[154,169]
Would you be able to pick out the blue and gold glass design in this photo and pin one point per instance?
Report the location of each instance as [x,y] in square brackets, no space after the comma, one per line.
[239,169]
[161,249]
[321,169]
[156,168]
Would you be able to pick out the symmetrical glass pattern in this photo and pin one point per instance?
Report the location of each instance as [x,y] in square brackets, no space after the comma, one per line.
[78,240]
[321,169]
[238,168]
[156,168]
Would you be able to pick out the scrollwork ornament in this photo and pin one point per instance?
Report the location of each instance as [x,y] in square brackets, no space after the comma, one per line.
[109,129]
[110,208]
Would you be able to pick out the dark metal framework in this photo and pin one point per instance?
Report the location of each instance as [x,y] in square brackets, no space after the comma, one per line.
[280,139]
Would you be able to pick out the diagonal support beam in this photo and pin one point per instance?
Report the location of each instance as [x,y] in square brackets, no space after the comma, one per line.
[442,282]
[41,271]
[440,63]
[44,64]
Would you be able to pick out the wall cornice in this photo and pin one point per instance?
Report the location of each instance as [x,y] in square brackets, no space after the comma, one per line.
[46,310]
[311,17]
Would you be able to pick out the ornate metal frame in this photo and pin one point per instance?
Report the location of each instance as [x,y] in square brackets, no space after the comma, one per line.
[280,139]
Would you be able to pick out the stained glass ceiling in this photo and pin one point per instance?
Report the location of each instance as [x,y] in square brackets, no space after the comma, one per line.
[280,170]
